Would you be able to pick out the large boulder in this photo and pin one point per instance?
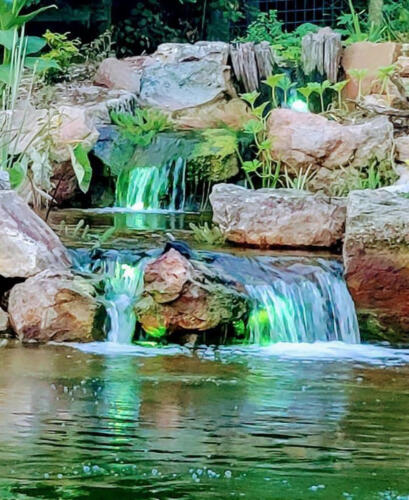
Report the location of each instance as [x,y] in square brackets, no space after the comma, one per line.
[376,254]
[369,56]
[278,217]
[53,306]
[176,86]
[193,81]
[182,295]
[27,245]
[304,139]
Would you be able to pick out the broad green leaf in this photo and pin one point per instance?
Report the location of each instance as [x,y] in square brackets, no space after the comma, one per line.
[34,44]
[82,167]
[17,175]
[40,64]
[5,74]
[8,38]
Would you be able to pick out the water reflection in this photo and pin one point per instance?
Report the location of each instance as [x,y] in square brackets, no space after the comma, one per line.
[77,425]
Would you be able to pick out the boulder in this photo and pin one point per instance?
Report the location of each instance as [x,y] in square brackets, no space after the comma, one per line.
[376,254]
[233,114]
[177,86]
[4,321]
[53,306]
[304,139]
[183,295]
[183,52]
[278,217]
[370,56]
[27,245]
[122,74]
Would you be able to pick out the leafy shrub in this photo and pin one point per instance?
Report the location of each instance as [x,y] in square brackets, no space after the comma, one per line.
[62,50]
[268,28]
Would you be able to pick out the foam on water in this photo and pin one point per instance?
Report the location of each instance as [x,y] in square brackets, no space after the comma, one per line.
[319,351]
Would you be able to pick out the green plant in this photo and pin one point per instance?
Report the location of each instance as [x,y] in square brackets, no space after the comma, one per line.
[306,92]
[375,175]
[273,81]
[286,85]
[208,235]
[263,165]
[356,27]
[268,28]
[359,75]
[300,180]
[143,125]
[320,89]
[384,76]
[338,88]
[12,20]
[62,50]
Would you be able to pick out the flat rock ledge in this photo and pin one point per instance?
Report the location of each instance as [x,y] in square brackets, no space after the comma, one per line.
[376,255]
[278,217]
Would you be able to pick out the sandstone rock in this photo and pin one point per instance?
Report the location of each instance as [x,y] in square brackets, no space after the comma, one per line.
[182,295]
[53,306]
[122,74]
[304,139]
[370,56]
[27,245]
[233,114]
[376,254]
[4,321]
[72,125]
[277,217]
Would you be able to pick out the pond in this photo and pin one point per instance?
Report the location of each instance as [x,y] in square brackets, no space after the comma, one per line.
[323,421]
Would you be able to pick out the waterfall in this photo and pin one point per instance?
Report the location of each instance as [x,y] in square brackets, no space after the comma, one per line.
[153,188]
[294,300]
[123,285]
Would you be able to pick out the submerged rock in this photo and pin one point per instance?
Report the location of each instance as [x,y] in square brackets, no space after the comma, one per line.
[27,245]
[301,140]
[278,217]
[53,306]
[376,255]
[184,295]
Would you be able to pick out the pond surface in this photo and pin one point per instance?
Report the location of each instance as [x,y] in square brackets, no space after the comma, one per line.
[221,424]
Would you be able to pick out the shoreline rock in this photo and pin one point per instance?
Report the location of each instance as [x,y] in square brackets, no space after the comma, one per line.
[53,306]
[376,256]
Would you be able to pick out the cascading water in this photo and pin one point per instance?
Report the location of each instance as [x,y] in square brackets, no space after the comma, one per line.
[294,299]
[153,188]
[123,285]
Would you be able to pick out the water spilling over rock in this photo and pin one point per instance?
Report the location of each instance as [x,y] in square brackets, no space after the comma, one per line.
[259,300]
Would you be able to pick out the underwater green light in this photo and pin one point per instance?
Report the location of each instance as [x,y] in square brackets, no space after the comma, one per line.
[299,105]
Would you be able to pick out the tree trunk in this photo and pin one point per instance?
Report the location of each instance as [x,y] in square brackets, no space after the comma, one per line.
[375,12]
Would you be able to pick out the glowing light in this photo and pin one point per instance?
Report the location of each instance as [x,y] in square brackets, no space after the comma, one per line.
[299,105]
[138,206]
